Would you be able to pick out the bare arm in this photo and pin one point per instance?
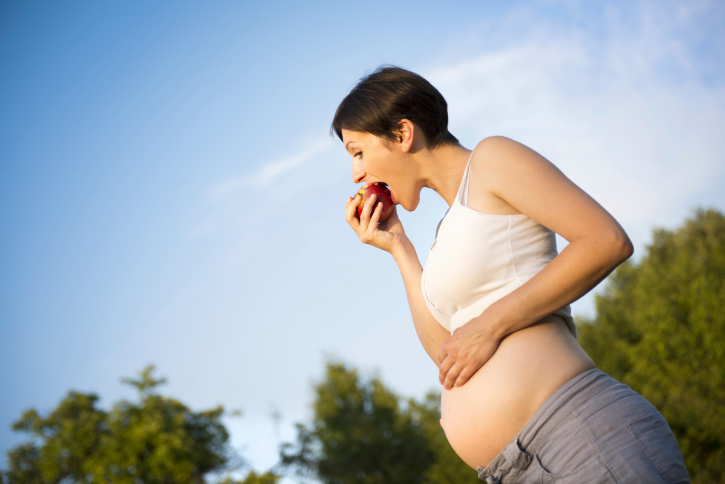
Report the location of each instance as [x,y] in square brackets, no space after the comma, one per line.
[583,264]
[533,186]
[430,333]
[390,236]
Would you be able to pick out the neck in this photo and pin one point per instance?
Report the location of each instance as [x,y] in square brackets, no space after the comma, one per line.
[442,170]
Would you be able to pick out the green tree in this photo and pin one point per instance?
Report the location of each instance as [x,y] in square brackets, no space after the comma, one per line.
[154,440]
[660,328]
[446,467]
[254,478]
[361,433]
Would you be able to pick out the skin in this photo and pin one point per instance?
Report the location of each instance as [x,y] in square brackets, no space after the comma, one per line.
[517,333]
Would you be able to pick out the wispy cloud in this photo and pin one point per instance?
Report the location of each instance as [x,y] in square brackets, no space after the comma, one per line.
[224,201]
[270,171]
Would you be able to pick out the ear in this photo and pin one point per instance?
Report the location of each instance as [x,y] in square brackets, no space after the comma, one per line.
[406,134]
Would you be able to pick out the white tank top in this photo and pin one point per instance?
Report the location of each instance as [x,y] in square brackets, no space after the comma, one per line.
[478,258]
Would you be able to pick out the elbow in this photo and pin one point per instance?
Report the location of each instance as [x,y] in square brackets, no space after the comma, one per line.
[613,247]
[622,248]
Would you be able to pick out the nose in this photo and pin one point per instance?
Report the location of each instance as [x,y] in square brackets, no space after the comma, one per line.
[358,173]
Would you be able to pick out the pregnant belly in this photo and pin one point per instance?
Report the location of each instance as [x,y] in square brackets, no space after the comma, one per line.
[482,416]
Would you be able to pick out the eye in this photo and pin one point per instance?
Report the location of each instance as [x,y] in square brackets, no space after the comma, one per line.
[359,153]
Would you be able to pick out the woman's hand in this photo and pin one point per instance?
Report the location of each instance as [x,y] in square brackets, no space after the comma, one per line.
[464,353]
[386,236]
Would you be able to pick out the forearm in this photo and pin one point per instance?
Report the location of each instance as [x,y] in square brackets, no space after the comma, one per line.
[430,333]
[583,264]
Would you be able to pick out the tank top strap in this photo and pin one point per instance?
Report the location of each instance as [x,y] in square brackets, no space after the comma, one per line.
[462,195]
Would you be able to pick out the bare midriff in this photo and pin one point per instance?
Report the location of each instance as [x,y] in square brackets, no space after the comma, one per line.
[481,417]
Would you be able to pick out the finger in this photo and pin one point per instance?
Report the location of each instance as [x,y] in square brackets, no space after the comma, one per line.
[351,214]
[372,227]
[452,375]
[445,368]
[442,354]
[351,206]
[375,218]
[367,210]
[465,375]
[367,230]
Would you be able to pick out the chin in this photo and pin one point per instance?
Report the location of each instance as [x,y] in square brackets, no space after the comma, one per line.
[408,206]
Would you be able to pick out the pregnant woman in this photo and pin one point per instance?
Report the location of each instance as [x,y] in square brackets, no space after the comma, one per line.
[521,401]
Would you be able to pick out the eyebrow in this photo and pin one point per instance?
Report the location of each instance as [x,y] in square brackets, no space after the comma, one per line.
[346,144]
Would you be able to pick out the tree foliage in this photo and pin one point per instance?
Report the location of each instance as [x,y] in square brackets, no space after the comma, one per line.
[154,440]
[660,328]
[446,467]
[254,478]
[361,433]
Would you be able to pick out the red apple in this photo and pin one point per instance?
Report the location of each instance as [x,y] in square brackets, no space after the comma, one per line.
[382,194]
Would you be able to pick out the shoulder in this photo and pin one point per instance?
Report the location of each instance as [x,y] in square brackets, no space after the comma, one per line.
[494,148]
[495,164]
[507,176]
[524,180]
[498,157]
[493,142]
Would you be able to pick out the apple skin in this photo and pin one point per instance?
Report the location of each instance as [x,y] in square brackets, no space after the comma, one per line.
[382,193]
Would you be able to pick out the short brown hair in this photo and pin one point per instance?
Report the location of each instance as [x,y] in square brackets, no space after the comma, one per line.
[379,101]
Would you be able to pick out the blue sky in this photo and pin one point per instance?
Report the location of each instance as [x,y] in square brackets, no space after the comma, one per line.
[169,192]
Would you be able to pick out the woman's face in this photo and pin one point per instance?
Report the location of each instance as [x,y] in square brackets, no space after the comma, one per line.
[373,161]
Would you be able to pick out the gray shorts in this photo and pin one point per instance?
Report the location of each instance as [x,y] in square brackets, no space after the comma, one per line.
[593,429]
